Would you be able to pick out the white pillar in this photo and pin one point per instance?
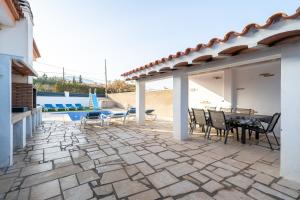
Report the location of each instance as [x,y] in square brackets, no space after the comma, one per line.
[290,109]
[28,126]
[140,102]
[40,116]
[6,131]
[19,134]
[180,106]
[229,88]
[34,126]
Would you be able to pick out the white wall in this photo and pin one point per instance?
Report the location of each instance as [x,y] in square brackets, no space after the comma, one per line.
[18,40]
[63,100]
[206,90]
[259,93]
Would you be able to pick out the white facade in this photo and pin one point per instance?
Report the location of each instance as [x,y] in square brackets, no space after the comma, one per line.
[16,45]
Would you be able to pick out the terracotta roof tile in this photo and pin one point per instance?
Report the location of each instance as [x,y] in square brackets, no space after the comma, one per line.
[271,20]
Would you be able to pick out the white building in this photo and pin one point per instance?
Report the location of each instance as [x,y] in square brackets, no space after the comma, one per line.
[257,68]
[17,52]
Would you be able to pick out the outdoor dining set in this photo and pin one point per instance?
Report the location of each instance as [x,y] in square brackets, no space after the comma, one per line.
[230,120]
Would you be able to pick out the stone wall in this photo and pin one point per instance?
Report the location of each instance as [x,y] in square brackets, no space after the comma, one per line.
[160,100]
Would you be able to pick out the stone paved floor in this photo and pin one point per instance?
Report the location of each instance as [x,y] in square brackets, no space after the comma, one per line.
[131,162]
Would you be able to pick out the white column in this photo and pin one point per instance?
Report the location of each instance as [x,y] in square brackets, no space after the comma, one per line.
[34,126]
[40,116]
[28,126]
[180,106]
[229,88]
[19,134]
[290,109]
[140,102]
[6,131]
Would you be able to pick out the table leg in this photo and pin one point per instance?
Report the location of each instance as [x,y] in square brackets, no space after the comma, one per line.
[256,135]
[243,135]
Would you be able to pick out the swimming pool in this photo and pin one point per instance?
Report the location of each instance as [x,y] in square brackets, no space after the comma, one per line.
[76,115]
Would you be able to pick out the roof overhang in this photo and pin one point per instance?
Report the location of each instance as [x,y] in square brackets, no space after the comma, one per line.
[279,29]
[21,68]
[13,10]
[8,13]
[36,52]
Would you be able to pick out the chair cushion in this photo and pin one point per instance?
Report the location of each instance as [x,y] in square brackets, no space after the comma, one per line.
[93,115]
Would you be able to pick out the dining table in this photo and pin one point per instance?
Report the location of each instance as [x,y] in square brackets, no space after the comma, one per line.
[245,120]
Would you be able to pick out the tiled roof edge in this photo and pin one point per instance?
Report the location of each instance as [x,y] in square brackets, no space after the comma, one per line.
[271,20]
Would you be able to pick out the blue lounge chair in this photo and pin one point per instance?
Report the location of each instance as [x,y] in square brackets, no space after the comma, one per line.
[91,116]
[49,107]
[149,112]
[70,106]
[78,106]
[107,116]
[60,106]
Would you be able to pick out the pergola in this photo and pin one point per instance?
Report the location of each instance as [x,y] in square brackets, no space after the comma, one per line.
[276,40]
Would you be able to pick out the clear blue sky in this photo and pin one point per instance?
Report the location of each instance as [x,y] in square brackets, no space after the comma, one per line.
[80,34]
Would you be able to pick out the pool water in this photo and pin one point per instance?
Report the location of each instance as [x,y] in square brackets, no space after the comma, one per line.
[77,115]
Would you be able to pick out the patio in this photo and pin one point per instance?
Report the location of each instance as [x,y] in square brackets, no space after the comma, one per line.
[140,162]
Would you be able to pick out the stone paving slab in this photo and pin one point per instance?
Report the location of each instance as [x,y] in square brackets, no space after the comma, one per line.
[196,196]
[113,176]
[131,162]
[79,192]
[153,159]
[50,175]
[162,179]
[182,187]
[87,176]
[147,195]
[34,169]
[45,190]
[181,169]
[126,188]
[68,182]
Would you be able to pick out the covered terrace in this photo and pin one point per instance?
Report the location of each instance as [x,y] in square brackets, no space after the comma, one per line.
[256,68]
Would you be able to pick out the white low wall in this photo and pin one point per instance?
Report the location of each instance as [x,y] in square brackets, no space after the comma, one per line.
[63,100]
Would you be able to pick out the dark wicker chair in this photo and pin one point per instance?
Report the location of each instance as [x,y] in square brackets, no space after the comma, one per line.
[191,119]
[200,119]
[228,110]
[260,129]
[219,122]
[210,108]
[243,111]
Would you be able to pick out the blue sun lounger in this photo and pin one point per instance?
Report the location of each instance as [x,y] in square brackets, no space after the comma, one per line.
[91,116]
[107,116]
[70,107]
[60,107]
[148,112]
[49,107]
[78,106]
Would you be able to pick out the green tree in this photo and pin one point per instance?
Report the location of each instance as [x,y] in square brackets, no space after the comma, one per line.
[80,79]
